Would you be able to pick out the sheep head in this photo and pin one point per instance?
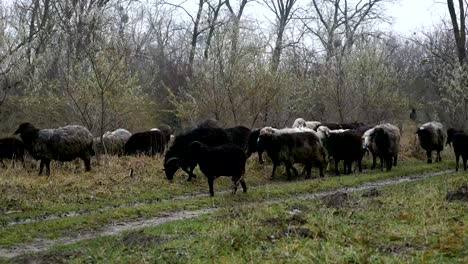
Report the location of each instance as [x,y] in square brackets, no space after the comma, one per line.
[171,166]
[27,132]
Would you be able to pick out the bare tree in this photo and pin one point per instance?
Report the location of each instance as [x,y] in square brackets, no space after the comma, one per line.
[459,28]
[284,11]
[235,19]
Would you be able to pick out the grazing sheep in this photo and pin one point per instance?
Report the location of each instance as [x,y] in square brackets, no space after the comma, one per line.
[113,143]
[211,136]
[223,160]
[148,143]
[253,146]
[432,136]
[291,146]
[385,143]
[343,144]
[300,122]
[11,148]
[61,144]
[459,140]
[177,156]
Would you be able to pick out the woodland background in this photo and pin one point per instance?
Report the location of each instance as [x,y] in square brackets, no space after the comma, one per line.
[107,64]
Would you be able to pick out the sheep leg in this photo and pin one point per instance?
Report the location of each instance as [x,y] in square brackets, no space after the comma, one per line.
[235,183]
[296,173]
[41,167]
[439,158]
[288,171]
[337,170]
[273,171]
[429,157]
[47,164]
[382,162]
[395,158]
[374,161]
[457,161]
[210,184]
[321,170]
[308,169]
[359,162]
[260,158]
[389,163]
[87,163]
[244,186]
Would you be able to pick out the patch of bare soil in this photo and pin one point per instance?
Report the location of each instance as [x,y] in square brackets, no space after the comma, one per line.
[340,200]
[139,239]
[296,219]
[397,248]
[461,194]
[372,193]
[48,257]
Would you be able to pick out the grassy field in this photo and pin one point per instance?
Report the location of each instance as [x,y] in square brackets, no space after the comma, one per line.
[72,202]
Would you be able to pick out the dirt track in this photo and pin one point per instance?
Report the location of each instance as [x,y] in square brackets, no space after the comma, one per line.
[114,229]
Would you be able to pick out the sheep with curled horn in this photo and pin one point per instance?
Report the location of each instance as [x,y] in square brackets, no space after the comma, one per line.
[432,137]
[61,144]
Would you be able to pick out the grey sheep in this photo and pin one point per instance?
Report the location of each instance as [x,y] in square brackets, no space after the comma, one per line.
[293,145]
[61,144]
[383,141]
[113,143]
[432,136]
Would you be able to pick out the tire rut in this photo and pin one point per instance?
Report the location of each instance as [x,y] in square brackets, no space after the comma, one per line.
[44,244]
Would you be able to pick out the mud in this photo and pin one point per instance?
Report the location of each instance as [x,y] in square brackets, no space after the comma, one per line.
[461,194]
[48,257]
[139,239]
[372,193]
[398,248]
[43,244]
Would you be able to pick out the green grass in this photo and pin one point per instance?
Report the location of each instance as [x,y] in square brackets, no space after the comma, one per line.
[406,223]
[139,187]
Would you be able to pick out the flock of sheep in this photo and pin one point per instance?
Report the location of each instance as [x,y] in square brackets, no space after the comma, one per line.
[224,151]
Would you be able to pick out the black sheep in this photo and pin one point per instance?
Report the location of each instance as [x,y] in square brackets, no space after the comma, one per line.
[253,146]
[211,136]
[224,160]
[11,148]
[148,142]
[344,145]
[387,144]
[177,155]
[459,141]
